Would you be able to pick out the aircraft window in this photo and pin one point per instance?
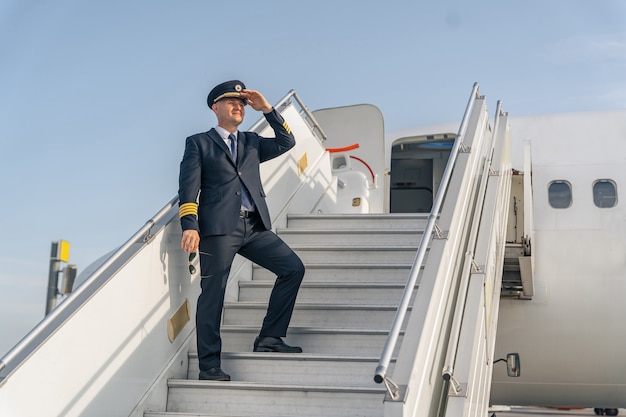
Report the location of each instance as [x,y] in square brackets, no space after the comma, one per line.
[604,193]
[560,194]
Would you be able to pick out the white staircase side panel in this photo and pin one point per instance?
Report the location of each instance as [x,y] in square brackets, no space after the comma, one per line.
[422,353]
[474,351]
[295,181]
[100,362]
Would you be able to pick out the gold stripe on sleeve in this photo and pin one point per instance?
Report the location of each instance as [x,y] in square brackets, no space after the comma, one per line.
[187,209]
[286,126]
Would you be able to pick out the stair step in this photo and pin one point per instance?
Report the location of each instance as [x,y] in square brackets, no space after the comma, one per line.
[194,414]
[328,292]
[355,254]
[338,341]
[308,369]
[407,237]
[276,400]
[349,272]
[358,221]
[320,315]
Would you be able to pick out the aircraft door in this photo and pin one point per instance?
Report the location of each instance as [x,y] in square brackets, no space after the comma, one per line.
[411,185]
[417,166]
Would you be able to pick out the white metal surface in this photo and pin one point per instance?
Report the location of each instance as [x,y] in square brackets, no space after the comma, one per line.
[422,352]
[362,125]
[101,361]
[381,371]
[474,352]
[570,335]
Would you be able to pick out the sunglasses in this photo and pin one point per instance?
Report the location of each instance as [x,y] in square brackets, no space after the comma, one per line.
[192,256]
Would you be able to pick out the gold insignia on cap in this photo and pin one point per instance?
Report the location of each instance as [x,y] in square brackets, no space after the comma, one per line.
[238,87]
[229,94]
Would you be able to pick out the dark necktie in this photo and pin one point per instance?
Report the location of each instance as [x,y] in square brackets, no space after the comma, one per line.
[233,146]
[246,200]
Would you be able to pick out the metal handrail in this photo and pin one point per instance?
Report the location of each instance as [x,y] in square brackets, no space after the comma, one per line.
[457,321]
[292,93]
[392,339]
[35,338]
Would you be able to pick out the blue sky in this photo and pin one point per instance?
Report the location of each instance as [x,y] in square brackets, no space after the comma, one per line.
[96,98]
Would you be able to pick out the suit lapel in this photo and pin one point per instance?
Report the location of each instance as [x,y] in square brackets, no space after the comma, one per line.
[215,137]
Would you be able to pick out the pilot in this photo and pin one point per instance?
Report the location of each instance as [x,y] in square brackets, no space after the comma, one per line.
[223,212]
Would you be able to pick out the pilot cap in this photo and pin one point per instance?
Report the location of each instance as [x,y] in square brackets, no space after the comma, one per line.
[228,89]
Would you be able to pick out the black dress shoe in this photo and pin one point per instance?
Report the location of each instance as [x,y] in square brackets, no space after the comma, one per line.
[274,344]
[214,374]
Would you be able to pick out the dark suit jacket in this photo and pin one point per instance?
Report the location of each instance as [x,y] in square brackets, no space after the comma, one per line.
[209,176]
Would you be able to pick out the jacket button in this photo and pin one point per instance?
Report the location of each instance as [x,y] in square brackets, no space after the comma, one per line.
[239,173]
[238,193]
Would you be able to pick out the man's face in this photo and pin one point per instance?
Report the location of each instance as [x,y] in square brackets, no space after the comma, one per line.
[229,111]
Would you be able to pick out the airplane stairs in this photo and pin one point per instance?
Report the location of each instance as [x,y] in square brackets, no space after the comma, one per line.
[123,343]
[441,361]
[356,269]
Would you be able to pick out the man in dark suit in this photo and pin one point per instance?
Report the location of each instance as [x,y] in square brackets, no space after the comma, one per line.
[223,212]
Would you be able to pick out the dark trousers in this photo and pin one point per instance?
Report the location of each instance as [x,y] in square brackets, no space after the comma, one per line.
[262,247]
